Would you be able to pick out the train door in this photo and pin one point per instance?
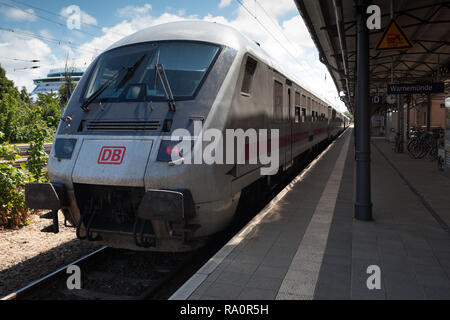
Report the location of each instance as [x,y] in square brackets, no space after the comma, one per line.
[288,125]
[278,118]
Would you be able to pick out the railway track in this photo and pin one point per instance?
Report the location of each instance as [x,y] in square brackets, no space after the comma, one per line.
[116,274]
[108,274]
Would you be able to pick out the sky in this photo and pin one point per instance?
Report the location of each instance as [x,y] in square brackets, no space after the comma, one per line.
[38,30]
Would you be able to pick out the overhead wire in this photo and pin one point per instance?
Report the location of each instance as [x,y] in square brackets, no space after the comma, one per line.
[288,40]
[48,20]
[62,16]
[71,44]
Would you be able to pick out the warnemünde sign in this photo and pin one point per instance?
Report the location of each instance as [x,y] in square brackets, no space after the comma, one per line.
[407,88]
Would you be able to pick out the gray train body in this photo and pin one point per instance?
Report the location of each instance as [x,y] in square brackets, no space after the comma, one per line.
[113,184]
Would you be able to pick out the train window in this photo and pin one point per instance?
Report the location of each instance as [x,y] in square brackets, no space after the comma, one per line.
[297,114]
[278,100]
[250,68]
[303,114]
[297,98]
[185,66]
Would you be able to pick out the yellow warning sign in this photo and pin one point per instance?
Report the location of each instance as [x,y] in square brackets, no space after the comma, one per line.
[394,38]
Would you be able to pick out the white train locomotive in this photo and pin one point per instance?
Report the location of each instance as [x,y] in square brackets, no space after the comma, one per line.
[111,168]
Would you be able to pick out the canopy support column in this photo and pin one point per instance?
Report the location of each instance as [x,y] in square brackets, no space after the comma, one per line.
[363,204]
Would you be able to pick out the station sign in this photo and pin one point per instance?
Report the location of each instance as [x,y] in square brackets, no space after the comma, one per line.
[394,38]
[376,99]
[412,88]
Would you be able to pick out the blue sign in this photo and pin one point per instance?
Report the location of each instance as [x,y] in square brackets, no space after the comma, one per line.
[376,99]
[410,88]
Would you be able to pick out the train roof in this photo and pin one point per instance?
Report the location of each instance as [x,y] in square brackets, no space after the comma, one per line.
[214,33]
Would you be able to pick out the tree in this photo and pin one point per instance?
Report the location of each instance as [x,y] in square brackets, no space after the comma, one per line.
[17,111]
[66,90]
[64,94]
[51,112]
[6,85]
[25,96]
[13,115]
[348,114]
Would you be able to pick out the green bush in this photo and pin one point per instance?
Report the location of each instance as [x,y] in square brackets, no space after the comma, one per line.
[13,211]
[22,120]
[37,158]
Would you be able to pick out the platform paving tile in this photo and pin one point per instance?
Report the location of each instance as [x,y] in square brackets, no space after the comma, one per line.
[201,290]
[234,278]
[436,293]
[274,272]
[242,268]
[257,294]
[423,257]
[402,285]
[332,291]
[443,257]
[395,264]
[223,291]
[359,291]
[262,282]
[298,288]
[404,240]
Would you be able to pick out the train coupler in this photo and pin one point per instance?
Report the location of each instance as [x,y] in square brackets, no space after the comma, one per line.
[160,208]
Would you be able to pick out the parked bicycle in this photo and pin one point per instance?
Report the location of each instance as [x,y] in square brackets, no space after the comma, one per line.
[424,144]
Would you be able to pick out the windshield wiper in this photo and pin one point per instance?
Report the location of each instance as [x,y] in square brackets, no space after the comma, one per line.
[103,87]
[131,71]
[160,73]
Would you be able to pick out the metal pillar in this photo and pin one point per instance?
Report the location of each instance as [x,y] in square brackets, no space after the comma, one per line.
[429,113]
[401,121]
[408,117]
[363,204]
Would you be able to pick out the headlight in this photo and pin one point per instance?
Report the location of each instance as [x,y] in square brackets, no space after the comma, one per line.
[64,148]
[167,149]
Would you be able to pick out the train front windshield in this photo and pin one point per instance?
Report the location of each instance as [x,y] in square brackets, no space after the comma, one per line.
[130,73]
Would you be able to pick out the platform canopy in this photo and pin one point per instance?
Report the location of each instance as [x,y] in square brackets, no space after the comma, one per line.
[426,23]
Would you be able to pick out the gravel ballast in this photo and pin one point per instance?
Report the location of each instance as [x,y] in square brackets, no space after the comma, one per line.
[28,254]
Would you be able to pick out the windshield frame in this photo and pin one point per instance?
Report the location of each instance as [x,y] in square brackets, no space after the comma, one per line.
[220,48]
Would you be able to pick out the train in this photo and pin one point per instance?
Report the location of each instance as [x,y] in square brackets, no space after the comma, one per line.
[112,169]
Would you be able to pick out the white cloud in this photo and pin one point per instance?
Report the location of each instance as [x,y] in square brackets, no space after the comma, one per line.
[224,3]
[46,33]
[133,12]
[19,14]
[13,47]
[301,61]
[276,8]
[85,17]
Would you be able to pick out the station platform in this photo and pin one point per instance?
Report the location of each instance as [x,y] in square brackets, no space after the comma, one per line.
[306,244]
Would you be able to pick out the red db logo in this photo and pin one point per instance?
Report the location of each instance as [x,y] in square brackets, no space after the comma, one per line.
[111,155]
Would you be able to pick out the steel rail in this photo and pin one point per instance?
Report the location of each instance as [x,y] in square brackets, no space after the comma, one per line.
[45,279]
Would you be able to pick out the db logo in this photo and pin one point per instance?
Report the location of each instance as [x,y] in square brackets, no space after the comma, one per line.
[111,155]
